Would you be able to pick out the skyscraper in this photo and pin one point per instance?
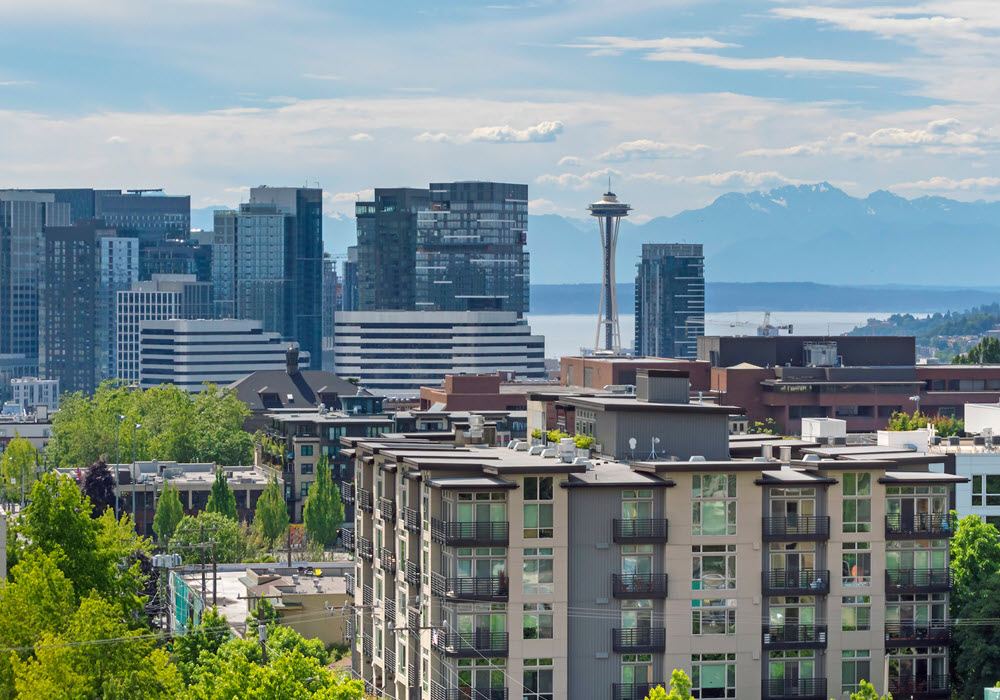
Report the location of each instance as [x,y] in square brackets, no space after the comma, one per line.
[349,282]
[152,218]
[329,309]
[223,243]
[670,300]
[118,269]
[387,248]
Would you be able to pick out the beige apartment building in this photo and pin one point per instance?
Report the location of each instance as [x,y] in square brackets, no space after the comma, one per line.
[487,573]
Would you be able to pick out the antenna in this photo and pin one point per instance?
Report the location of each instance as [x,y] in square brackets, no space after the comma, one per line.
[653,443]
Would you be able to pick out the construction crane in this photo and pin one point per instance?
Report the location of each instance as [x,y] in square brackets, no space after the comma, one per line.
[144,191]
[764,329]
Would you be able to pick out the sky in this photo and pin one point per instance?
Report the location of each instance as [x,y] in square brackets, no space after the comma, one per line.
[677,101]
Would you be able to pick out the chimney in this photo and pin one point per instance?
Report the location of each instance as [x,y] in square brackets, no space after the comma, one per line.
[292,360]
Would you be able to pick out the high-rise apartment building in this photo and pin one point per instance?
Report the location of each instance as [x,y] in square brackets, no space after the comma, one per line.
[329,310]
[152,218]
[348,300]
[223,244]
[670,300]
[118,269]
[162,298]
[387,248]
[176,258]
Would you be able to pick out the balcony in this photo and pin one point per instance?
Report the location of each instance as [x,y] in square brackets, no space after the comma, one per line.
[346,492]
[474,534]
[387,510]
[794,636]
[390,661]
[364,548]
[794,689]
[366,646]
[390,610]
[365,501]
[413,625]
[919,581]
[639,585]
[920,526]
[411,520]
[917,634]
[639,531]
[468,693]
[347,539]
[470,644]
[639,640]
[634,691]
[802,582]
[489,588]
[412,573]
[387,560]
[367,596]
[796,528]
[921,688]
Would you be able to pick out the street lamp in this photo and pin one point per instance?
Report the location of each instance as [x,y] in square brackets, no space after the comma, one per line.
[118,457]
[916,400]
[135,427]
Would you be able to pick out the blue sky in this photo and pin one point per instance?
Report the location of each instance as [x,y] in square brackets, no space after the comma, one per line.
[677,100]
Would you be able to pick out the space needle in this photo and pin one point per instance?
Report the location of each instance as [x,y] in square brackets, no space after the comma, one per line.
[609,212]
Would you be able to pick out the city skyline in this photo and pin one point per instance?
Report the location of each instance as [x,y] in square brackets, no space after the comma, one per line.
[678,101]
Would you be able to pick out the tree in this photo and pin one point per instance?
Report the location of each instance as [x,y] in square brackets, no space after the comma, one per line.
[324,512]
[271,518]
[555,436]
[264,609]
[99,486]
[866,691]
[235,544]
[985,352]
[680,688]
[210,634]
[222,500]
[944,425]
[765,427]
[169,513]
[975,560]
[18,468]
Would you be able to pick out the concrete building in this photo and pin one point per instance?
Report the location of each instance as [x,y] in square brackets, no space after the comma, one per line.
[187,257]
[483,572]
[191,353]
[499,391]
[118,270]
[590,372]
[15,366]
[222,240]
[36,429]
[395,353]
[162,298]
[30,392]
[670,300]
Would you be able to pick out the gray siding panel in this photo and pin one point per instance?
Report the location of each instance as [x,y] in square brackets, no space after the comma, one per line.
[681,435]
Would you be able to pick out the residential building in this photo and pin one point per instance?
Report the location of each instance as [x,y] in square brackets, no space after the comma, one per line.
[395,353]
[387,248]
[670,300]
[147,215]
[172,257]
[603,373]
[223,244]
[483,572]
[118,270]
[30,392]
[349,282]
[14,366]
[499,391]
[330,287]
[162,298]
[36,429]
[191,353]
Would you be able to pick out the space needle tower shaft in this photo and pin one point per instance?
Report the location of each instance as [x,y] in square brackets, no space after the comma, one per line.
[609,213]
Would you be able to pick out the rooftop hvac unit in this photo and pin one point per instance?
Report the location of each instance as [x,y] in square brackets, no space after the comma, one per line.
[549,452]
[536,449]
[819,354]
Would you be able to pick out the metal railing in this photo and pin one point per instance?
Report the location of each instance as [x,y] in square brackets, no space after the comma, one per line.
[639,530]
[920,687]
[470,644]
[798,688]
[634,691]
[390,610]
[387,510]
[475,534]
[367,646]
[918,580]
[387,560]
[347,538]
[346,492]
[790,582]
[639,640]
[468,693]
[411,573]
[794,636]
[796,528]
[411,520]
[917,634]
[367,596]
[364,548]
[639,585]
[919,526]
[390,661]
[493,588]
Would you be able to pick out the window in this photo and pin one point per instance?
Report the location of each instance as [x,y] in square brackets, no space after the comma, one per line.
[714,506]
[480,674]
[713,675]
[713,616]
[857,503]
[713,567]
[538,679]
[856,613]
[305,489]
[857,564]
[538,516]
[537,621]
[538,578]
[856,666]
[306,468]
[637,668]
[307,450]
[986,490]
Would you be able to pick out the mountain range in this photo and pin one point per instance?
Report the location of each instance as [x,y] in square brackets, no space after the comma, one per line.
[815,233]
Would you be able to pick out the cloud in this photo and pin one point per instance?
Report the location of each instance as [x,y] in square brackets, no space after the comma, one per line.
[730,179]
[542,206]
[429,137]
[577,182]
[16,83]
[805,149]
[362,136]
[569,162]
[617,45]
[541,132]
[339,197]
[644,148]
[117,139]
[945,184]
[319,76]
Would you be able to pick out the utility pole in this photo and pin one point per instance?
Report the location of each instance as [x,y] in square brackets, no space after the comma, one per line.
[201,539]
[215,576]
[288,544]
[135,427]
[262,631]
[118,457]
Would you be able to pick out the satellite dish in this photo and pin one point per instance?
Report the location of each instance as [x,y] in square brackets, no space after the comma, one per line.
[656,441]
[632,442]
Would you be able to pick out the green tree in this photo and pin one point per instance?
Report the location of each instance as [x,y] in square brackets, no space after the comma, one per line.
[680,688]
[234,542]
[169,513]
[555,436]
[944,425]
[99,486]
[866,691]
[765,427]
[985,352]
[207,637]
[263,609]
[18,468]
[222,500]
[324,512]
[271,518]
[975,560]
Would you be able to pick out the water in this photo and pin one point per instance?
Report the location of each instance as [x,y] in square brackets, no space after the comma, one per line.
[565,334]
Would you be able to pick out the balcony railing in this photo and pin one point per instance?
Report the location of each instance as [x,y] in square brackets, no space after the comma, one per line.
[346,492]
[367,595]
[794,636]
[366,646]
[364,548]
[492,588]
[639,640]
[920,687]
[639,531]
[639,585]
[918,581]
[347,539]
[411,520]
[796,528]
[387,509]
[919,526]
[797,689]
[349,584]
[468,693]
[390,661]
[365,501]
[917,634]
[802,582]
[390,610]
[412,573]
[634,691]
[413,624]
[387,560]
[471,644]
[474,534]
